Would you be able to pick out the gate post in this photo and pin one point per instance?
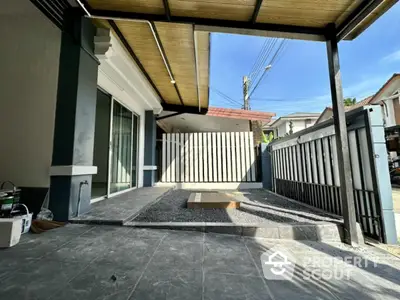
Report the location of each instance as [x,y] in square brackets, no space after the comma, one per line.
[266,167]
[376,138]
[342,143]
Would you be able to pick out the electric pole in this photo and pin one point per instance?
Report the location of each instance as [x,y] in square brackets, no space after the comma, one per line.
[246,82]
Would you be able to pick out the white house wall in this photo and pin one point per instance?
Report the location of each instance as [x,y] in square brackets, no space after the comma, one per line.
[282,129]
[390,119]
[29,58]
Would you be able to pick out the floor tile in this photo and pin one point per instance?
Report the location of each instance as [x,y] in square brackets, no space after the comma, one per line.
[184,237]
[179,256]
[102,280]
[220,259]
[137,251]
[80,250]
[148,233]
[232,287]
[299,289]
[229,241]
[39,280]
[169,285]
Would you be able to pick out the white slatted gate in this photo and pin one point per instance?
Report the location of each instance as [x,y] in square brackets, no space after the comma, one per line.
[208,157]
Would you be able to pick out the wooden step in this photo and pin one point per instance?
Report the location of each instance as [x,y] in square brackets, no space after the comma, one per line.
[212,200]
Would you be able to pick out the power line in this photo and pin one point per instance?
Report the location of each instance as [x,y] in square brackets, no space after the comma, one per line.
[275,59]
[261,57]
[264,59]
[258,56]
[226,97]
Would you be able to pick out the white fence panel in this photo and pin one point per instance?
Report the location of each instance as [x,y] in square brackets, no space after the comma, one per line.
[208,157]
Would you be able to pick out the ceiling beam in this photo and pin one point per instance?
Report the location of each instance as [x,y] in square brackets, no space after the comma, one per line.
[184,109]
[240,26]
[356,17]
[134,57]
[167,10]
[256,11]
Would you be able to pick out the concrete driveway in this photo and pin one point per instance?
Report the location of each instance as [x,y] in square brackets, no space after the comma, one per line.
[106,262]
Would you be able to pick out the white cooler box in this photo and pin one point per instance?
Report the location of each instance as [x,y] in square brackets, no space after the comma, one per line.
[10,232]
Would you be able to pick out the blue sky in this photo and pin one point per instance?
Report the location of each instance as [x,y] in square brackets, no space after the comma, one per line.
[299,80]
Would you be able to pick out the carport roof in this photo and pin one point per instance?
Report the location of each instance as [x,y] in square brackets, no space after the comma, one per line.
[183,28]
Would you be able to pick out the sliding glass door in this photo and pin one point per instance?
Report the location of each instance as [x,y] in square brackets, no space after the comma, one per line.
[115,147]
[121,149]
[135,140]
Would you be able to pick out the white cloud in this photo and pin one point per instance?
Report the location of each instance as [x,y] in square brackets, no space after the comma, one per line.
[392,57]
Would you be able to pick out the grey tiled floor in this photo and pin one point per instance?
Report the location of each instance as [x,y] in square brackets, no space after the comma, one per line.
[120,208]
[106,262]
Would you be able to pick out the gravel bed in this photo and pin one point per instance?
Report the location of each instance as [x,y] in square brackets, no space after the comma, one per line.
[257,206]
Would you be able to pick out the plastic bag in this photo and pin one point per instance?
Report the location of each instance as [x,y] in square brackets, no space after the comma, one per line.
[45,213]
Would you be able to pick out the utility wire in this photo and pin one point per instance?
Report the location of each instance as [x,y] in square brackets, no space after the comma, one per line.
[271,62]
[266,56]
[227,98]
[278,57]
[260,56]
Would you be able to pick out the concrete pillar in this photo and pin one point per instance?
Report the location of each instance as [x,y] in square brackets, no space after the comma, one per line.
[150,133]
[71,171]
[342,143]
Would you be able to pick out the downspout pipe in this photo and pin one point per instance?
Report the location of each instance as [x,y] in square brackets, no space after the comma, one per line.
[157,40]
[196,56]
[151,25]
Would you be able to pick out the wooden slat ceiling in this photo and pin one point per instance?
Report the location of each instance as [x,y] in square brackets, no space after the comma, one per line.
[309,13]
[178,43]
[178,39]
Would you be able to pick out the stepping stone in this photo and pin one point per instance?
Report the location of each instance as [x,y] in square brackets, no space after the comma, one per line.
[212,200]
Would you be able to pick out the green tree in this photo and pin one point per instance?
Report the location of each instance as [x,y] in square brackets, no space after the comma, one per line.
[267,139]
[349,101]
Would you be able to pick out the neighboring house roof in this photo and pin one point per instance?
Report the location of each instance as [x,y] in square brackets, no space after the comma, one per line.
[240,114]
[328,111]
[301,115]
[297,115]
[386,85]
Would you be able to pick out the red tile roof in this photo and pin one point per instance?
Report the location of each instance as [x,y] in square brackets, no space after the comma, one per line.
[240,114]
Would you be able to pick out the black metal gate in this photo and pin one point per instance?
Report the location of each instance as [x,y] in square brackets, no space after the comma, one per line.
[305,168]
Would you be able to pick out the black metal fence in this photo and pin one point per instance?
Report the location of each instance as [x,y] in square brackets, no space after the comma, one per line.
[305,168]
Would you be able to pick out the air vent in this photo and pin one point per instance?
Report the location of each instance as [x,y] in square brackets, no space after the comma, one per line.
[53,9]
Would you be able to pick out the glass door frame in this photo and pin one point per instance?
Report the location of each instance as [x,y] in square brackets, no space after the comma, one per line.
[109,194]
